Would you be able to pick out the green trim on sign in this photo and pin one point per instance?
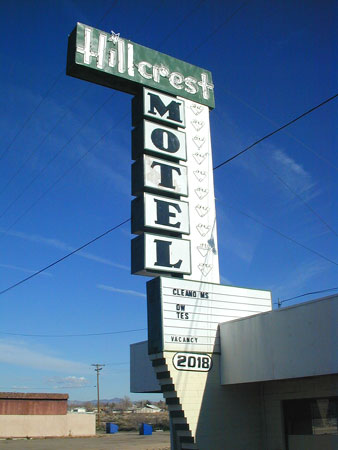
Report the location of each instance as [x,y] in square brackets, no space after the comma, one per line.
[109,60]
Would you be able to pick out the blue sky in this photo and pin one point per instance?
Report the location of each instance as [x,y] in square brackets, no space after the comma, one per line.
[270,62]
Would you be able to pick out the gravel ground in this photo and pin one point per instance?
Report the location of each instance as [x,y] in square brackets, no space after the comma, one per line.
[159,440]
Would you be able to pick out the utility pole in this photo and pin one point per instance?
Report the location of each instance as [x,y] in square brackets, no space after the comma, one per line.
[98,367]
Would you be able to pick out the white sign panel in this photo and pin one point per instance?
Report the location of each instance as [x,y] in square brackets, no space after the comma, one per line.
[164,141]
[203,230]
[166,214]
[163,107]
[152,254]
[184,315]
[165,176]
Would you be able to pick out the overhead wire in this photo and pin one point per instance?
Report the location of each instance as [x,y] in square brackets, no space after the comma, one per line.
[220,26]
[28,118]
[106,333]
[215,168]
[280,234]
[237,209]
[49,162]
[65,256]
[44,388]
[296,194]
[300,198]
[57,79]
[277,176]
[307,293]
[273,122]
[62,149]
[30,156]
[275,131]
[55,126]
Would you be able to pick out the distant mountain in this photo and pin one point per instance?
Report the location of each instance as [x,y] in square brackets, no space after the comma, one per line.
[94,402]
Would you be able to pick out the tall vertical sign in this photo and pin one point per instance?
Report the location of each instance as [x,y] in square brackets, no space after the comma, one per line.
[173,215]
[174,211]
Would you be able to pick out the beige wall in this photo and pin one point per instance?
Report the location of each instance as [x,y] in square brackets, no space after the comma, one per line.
[71,424]
[273,394]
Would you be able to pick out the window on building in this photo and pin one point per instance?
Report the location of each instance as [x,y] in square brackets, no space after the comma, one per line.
[311,416]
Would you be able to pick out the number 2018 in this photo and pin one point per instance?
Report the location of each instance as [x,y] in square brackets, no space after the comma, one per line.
[192,361]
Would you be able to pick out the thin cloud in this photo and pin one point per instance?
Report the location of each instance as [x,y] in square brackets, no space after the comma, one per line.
[56,243]
[293,173]
[22,355]
[120,291]
[299,278]
[23,269]
[225,280]
[67,382]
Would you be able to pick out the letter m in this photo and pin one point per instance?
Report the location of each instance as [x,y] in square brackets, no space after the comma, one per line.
[157,107]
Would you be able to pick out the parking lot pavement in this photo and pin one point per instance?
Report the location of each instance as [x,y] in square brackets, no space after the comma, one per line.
[159,440]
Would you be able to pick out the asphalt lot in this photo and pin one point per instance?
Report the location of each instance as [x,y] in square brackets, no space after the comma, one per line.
[159,440]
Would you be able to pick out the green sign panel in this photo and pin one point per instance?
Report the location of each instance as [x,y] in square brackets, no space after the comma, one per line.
[112,61]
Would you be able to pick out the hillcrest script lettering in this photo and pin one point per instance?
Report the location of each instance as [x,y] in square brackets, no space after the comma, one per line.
[120,55]
[110,60]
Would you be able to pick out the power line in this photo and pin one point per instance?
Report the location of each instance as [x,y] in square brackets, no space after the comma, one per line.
[44,388]
[64,146]
[62,176]
[30,116]
[275,131]
[307,293]
[221,25]
[65,257]
[178,25]
[61,73]
[127,220]
[281,234]
[37,148]
[56,155]
[287,186]
[295,193]
[241,212]
[295,138]
[106,333]
[61,150]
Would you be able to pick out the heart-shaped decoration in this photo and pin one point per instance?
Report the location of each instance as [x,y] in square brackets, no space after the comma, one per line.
[201,193]
[198,141]
[196,109]
[205,268]
[200,174]
[202,210]
[204,249]
[197,124]
[203,229]
[199,157]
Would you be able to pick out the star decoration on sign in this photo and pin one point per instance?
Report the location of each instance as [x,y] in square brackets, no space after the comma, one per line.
[114,37]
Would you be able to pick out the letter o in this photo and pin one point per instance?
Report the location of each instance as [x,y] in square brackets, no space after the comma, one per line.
[172,144]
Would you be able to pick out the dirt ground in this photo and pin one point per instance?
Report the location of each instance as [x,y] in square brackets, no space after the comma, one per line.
[159,440]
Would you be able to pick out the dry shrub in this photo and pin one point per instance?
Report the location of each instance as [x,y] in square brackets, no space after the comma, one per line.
[132,421]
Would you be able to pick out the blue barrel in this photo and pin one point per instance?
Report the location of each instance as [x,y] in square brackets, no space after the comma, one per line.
[111,428]
[146,429]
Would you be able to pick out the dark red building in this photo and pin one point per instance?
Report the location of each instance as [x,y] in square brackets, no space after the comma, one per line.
[14,403]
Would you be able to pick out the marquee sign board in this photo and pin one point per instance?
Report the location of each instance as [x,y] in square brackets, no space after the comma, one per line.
[183,316]
[109,60]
